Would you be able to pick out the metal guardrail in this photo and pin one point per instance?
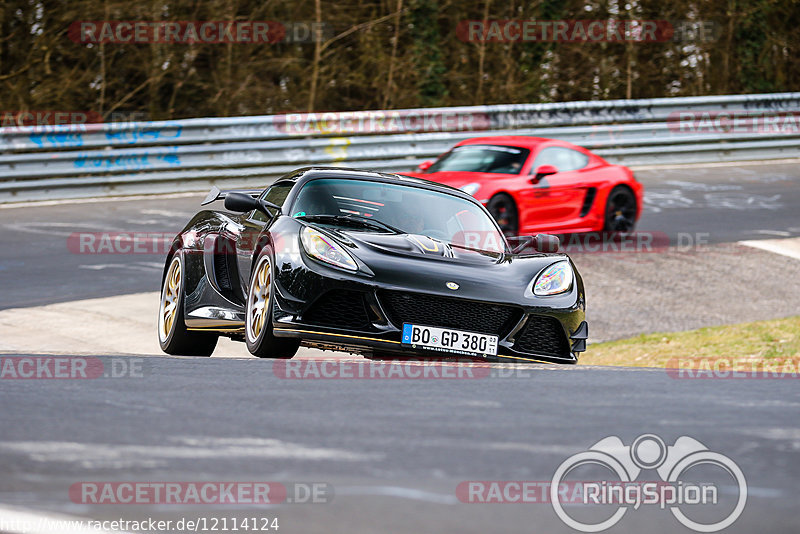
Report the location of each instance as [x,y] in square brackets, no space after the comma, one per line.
[105,159]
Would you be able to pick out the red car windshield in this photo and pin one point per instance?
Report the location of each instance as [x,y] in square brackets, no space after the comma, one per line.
[482,158]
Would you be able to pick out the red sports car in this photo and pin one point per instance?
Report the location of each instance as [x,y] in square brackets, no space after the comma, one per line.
[533,184]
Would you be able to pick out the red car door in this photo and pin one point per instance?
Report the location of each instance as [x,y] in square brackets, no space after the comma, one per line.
[556,200]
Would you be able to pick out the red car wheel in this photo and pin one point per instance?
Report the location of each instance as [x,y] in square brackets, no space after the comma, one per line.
[621,211]
[504,211]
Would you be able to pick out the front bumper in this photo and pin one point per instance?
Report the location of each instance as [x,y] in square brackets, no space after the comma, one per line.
[367,318]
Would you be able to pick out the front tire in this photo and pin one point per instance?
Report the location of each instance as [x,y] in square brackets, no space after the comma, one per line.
[259,337]
[173,336]
[504,211]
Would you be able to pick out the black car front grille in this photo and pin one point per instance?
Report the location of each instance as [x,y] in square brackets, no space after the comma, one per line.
[339,308]
[430,310]
[543,335]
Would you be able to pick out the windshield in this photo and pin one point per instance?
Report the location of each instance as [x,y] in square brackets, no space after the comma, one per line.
[395,208]
[482,158]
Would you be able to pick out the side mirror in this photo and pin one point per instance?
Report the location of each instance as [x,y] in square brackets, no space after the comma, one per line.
[242,202]
[542,171]
[546,243]
[541,243]
[425,165]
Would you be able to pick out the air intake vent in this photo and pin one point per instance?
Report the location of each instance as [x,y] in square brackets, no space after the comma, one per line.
[588,200]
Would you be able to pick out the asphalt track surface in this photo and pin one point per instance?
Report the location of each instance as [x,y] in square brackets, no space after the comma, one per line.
[393,451]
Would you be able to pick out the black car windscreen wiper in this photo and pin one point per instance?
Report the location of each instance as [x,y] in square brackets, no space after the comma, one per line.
[352,220]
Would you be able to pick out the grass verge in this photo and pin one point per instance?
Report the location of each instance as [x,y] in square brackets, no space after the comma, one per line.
[744,346]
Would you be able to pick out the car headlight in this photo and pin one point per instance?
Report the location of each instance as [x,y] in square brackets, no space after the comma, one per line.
[555,279]
[323,248]
[471,189]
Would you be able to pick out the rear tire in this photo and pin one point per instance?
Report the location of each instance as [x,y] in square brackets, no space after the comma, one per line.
[261,341]
[173,336]
[504,210]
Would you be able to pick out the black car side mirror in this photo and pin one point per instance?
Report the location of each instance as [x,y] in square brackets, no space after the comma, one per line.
[542,171]
[546,243]
[242,202]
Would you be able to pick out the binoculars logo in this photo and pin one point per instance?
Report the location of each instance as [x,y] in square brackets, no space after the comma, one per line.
[648,451]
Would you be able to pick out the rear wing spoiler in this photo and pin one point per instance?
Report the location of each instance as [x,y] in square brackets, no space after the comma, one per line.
[216,194]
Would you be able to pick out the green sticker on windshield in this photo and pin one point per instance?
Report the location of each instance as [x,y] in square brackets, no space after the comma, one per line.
[299,214]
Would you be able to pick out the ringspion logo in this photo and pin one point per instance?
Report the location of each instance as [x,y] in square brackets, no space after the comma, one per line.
[649,452]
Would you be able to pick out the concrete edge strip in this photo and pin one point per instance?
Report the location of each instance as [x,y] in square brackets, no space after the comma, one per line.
[789,247]
[23,521]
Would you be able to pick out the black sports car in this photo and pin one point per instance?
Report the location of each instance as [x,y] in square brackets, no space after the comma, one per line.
[379,264]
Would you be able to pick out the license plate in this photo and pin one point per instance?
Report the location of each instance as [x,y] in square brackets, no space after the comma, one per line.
[449,340]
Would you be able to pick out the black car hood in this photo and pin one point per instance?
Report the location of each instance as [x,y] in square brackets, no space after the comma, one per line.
[400,261]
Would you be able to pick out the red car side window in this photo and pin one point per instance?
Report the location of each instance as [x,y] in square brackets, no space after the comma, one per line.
[564,159]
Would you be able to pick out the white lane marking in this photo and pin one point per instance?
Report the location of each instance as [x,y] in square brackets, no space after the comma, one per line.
[47,228]
[137,266]
[779,233]
[37,203]
[742,201]
[789,247]
[164,213]
[398,492]
[24,521]
[107,455]
[657,201]
[144,222]
[713,164]
[700,186]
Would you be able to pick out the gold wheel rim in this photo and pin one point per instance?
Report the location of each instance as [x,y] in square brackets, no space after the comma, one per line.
[258,300]
[170,295]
